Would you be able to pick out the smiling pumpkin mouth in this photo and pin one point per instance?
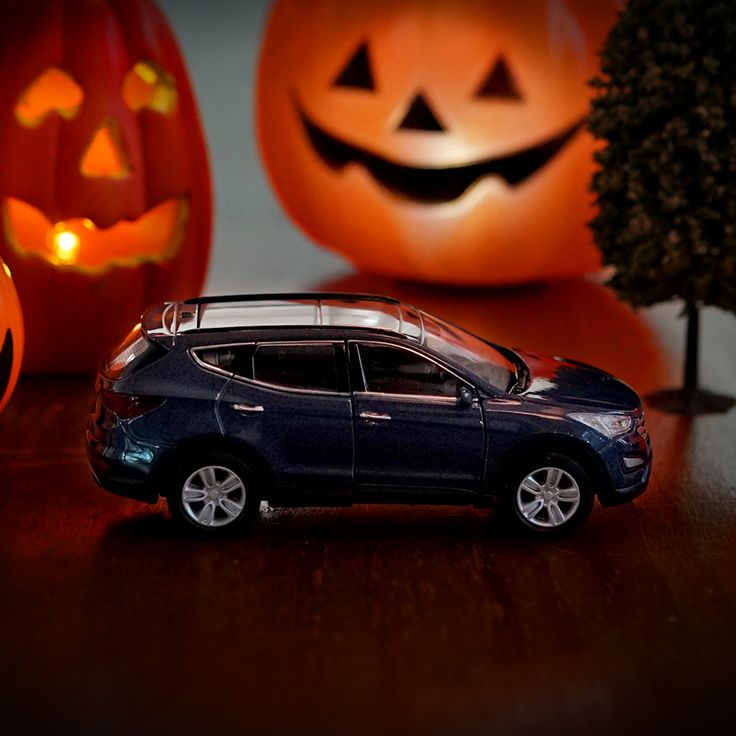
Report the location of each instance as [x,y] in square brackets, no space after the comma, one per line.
[435,185]
[6,362]
[79,244]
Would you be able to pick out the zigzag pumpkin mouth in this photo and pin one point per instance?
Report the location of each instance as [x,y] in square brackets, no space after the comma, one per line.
[435,185]
[78,244]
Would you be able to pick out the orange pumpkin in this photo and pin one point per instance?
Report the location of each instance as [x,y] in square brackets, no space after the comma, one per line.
[433,140]
[11,336]
[104,183]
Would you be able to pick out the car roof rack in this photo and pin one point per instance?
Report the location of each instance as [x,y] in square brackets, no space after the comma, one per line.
[236,311]
[292,296]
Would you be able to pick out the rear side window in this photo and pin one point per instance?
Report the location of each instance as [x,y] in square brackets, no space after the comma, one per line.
[307,367]
[136,351]
[236,359]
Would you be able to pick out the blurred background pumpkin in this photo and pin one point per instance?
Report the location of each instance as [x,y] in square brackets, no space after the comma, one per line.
[104,182]
[435,141]
[11,335]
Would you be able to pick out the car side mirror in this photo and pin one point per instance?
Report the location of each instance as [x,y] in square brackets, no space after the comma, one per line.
[465,397]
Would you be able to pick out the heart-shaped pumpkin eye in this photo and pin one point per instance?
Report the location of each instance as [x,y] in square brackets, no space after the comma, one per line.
[53,90]
[149,86]
[499,83]
[357,73]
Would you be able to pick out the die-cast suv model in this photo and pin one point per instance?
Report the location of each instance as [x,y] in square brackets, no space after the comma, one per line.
[333,399]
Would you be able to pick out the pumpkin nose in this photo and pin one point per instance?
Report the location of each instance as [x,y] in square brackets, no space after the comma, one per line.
[105,155]
[419,116]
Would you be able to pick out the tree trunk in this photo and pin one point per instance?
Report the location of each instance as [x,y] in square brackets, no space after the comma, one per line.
[690,399]
[690,385]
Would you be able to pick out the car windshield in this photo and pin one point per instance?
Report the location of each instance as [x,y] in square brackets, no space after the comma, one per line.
[468,351]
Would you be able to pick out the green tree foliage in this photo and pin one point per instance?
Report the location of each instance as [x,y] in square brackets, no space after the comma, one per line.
[666,187]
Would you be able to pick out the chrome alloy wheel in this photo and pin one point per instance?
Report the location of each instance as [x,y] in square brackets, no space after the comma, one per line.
[213,496]
[548,497]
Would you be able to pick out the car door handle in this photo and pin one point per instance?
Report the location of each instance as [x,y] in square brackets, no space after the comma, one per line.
[248,408]
[373,416]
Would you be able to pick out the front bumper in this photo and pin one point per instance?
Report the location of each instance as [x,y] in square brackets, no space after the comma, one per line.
[629,462]
[615,496]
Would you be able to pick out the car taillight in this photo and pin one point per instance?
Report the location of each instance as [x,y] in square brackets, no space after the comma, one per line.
[137,351]
[127,407]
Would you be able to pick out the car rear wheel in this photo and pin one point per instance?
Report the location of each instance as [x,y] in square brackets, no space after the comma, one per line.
[213,495]
[550,495]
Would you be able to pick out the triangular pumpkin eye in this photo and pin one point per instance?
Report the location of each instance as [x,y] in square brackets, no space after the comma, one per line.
[499,83]
[357,72]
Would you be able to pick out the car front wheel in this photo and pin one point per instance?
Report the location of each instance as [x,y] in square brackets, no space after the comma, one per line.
[213,495]
[550,495]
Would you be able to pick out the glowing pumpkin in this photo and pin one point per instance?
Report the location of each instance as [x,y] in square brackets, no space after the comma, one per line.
[11,336]
[104,184]
[434,140]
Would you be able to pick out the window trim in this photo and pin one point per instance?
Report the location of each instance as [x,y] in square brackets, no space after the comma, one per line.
[194,352]
[429,398]
[264,384]
[415,398]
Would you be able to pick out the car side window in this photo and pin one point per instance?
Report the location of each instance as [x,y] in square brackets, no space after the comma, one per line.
[307,367]
[236,359]
[393,370]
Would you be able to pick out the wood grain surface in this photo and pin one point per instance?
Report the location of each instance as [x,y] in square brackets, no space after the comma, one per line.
[382,620]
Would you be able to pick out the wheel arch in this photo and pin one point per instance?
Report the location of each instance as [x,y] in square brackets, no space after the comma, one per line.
[500,472]
[202,445]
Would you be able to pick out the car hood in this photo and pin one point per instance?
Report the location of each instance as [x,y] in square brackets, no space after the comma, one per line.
[557,380]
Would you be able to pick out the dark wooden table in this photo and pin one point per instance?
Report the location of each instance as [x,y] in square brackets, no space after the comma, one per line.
[386,620]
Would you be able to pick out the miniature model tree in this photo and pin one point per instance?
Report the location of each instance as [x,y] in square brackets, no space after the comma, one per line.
[666,188]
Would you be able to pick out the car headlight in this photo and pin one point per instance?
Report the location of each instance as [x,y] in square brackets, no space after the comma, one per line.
[610,425]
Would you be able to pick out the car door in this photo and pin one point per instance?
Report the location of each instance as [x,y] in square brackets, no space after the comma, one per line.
[411,429]
[290,402]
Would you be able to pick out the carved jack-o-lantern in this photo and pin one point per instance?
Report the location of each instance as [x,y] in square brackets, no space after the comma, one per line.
[434,140]
[11,336]
[104,185]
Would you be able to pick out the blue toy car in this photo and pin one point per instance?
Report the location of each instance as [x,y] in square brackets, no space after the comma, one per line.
[333,399]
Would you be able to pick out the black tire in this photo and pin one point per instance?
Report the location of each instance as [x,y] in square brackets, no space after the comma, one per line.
[549,494]
[228,490]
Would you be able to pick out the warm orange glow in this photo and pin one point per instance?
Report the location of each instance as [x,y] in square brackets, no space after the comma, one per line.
[110,210]
[147,85]
[52,91]
[79,244]
[105,155]
[66,244]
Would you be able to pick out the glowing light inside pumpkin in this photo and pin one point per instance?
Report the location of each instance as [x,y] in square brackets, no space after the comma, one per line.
[149,86]
[7,271]
[66,244]
[53,90]
[80,244]
[105,155]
